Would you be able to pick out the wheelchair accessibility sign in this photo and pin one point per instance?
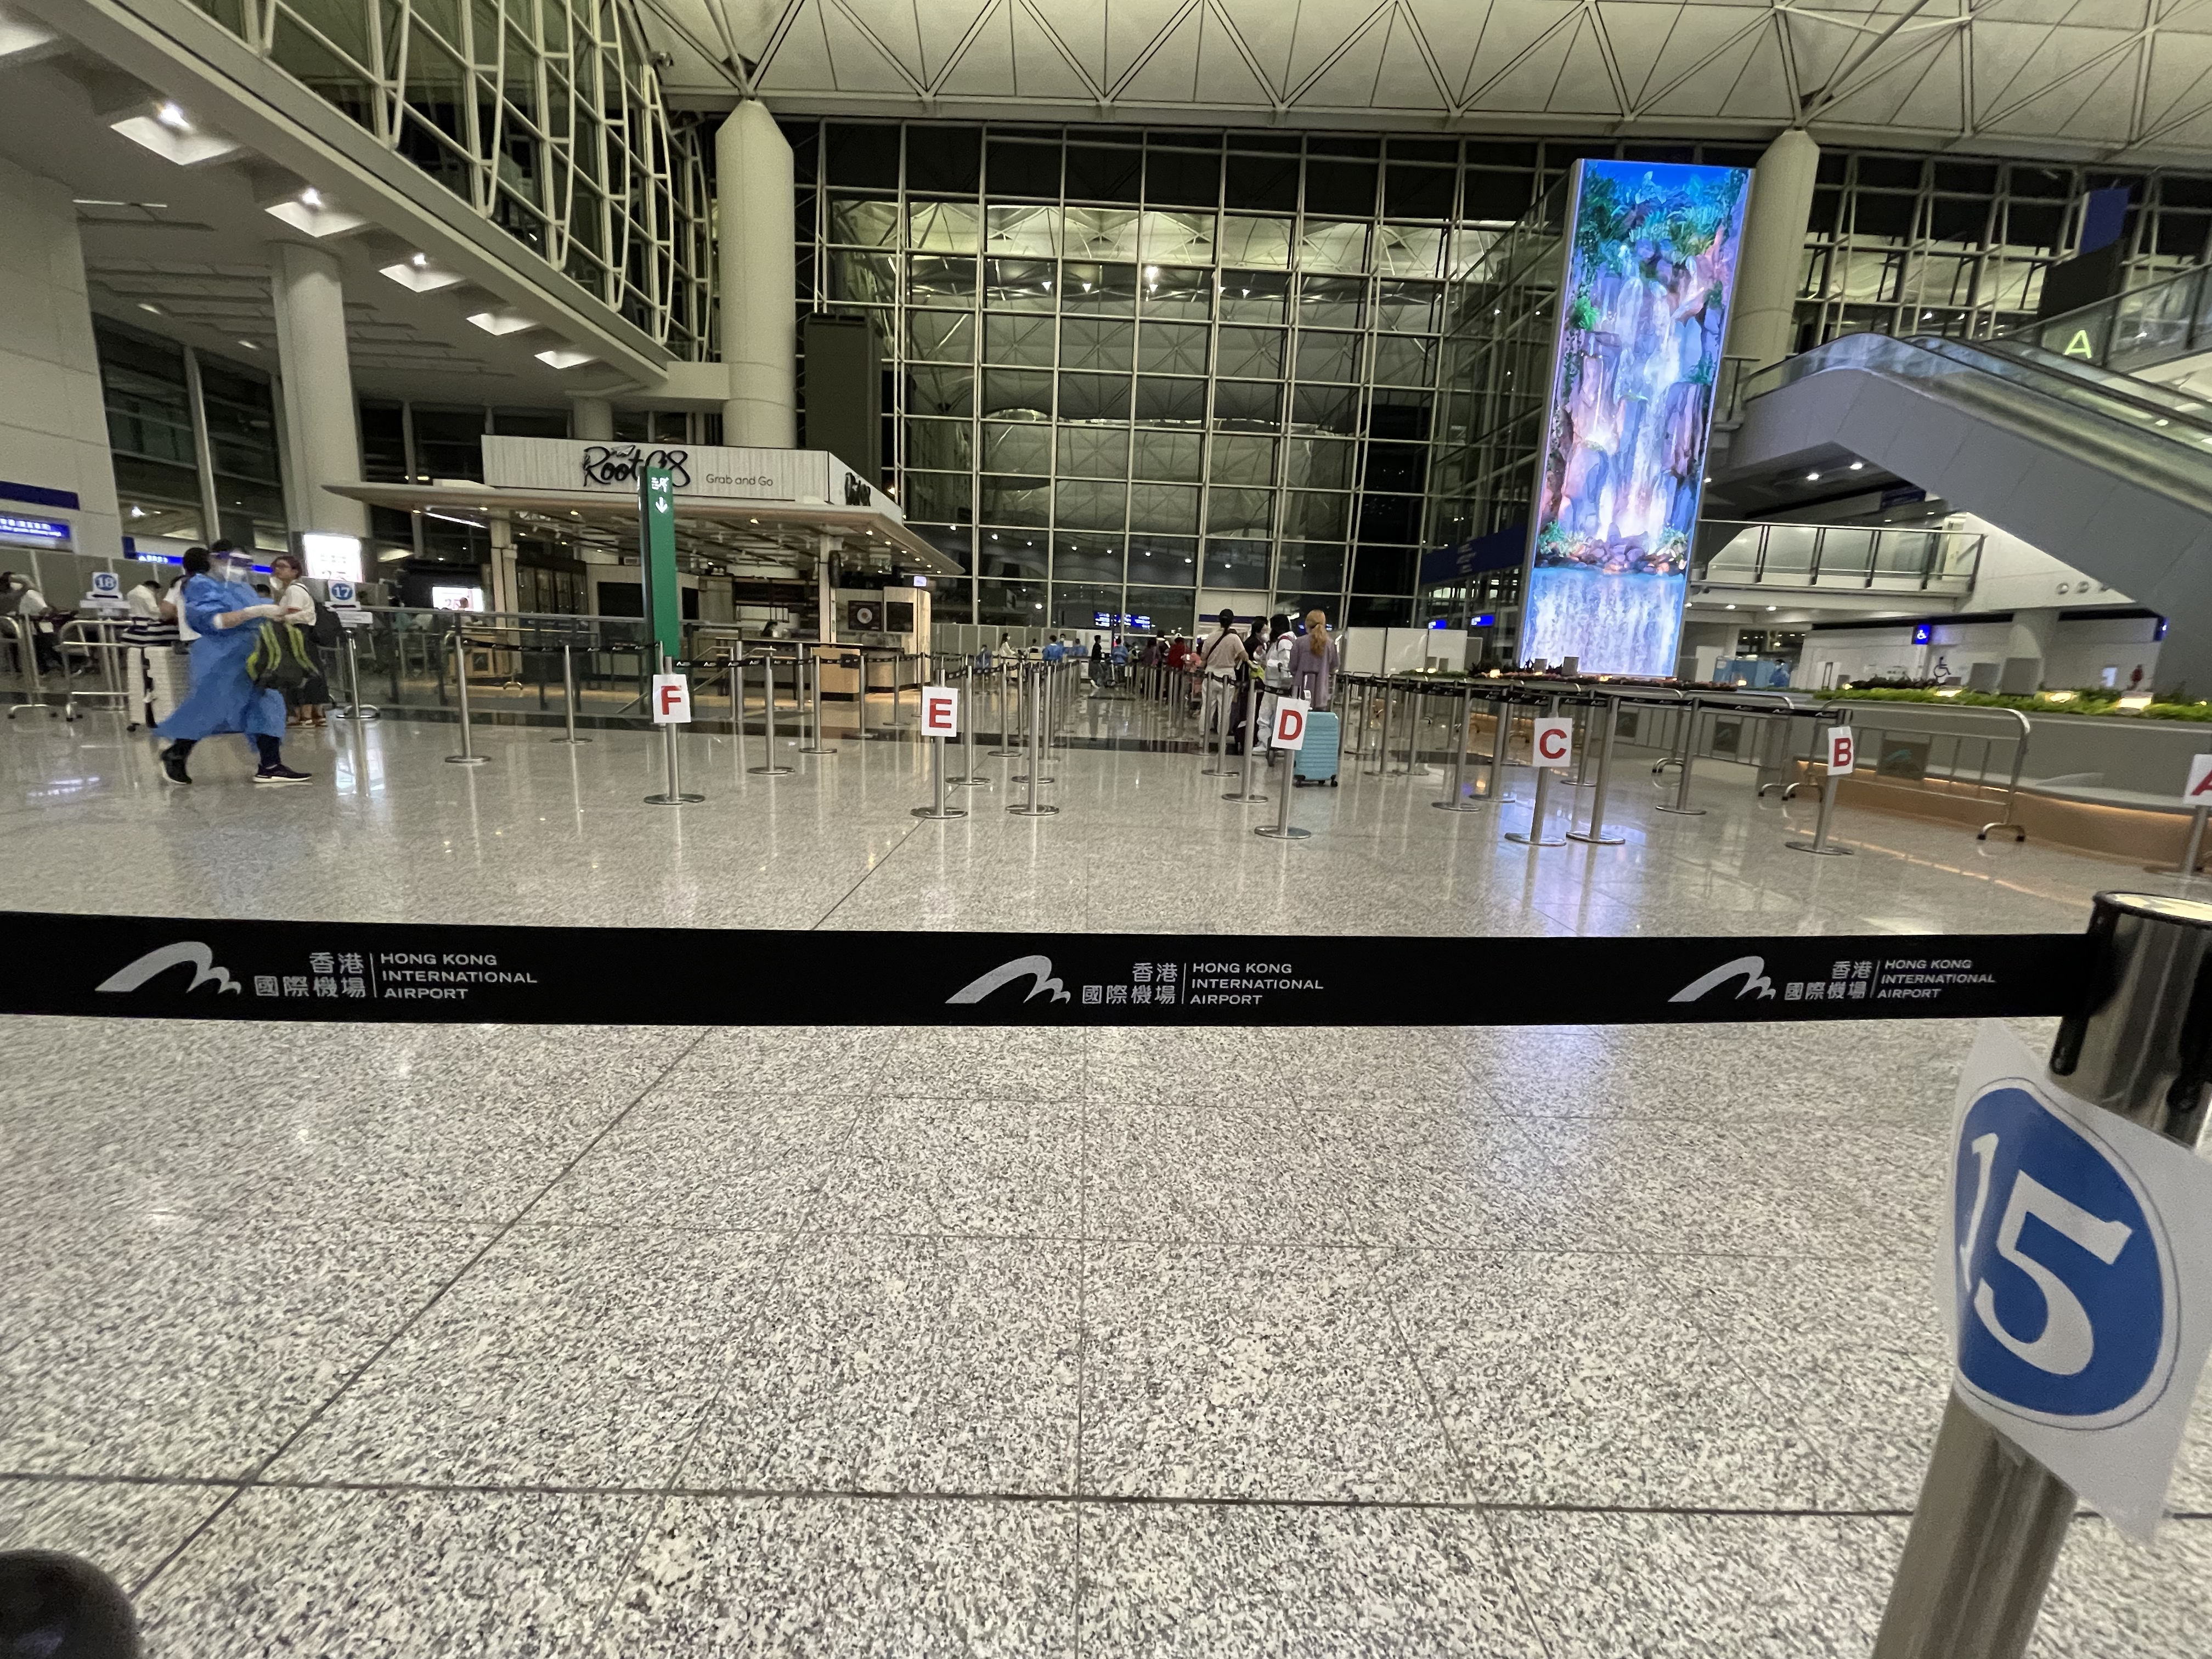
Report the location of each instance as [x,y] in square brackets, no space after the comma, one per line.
[2074,1277]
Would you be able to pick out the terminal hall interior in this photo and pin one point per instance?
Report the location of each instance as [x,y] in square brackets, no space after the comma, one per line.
[1355,827]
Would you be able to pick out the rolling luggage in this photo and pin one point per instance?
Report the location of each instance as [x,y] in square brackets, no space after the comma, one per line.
[1318,759]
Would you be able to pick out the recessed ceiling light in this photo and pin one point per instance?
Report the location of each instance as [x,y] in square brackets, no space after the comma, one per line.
[1812,477]
[1858,466]
[421,262]
[250,345]
[311,197]
[173,117]
[155,309]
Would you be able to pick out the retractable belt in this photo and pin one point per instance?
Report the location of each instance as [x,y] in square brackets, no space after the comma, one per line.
[166,968]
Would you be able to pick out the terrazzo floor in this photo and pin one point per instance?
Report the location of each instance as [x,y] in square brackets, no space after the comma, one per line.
[434,1342]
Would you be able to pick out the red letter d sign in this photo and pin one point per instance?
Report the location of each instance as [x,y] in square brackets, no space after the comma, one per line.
[1291,722]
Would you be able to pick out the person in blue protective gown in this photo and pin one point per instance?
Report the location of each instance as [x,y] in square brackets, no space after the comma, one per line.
[225,614]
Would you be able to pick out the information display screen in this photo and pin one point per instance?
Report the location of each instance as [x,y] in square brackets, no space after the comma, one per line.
[1644,310]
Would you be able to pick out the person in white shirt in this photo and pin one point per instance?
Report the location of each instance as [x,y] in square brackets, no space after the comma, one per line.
[296,608]
[1223,665]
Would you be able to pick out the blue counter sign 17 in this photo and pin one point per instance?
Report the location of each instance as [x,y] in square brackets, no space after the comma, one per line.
[2074,1273]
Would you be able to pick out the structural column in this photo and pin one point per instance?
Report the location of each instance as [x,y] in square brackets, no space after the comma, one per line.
[322,435]
[1773,263]
[503,561]
[757,268]
[593,419]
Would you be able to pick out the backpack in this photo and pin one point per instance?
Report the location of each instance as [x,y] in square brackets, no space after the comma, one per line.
[278,661]
[324,630]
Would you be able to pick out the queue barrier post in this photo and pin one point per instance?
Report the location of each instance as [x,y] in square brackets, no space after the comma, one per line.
[568,693]
[1007,749]
[2195,850]
[768,767]
[1382,742]
[1539,809]
[1031,807]
[1213,699]
[1818,844]
[1990,1520]
[1456,799]
[1681,807]
[468,756]
[674,795]
[1245,792]
[1282,828]
[817,744]
[938,808]
[1495,788]
[1595,835]
[970,777]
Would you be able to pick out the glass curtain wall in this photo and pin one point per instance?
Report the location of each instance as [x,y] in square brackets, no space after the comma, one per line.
[1944,245]
[1128,370]
[544,116]
[163,401]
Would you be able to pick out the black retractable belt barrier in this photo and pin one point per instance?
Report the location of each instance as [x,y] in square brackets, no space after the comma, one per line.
[168,968]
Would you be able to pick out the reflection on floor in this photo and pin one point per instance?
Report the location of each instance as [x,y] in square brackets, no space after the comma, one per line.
[429,1341]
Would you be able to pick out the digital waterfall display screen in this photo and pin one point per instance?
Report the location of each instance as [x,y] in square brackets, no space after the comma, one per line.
[1644,308]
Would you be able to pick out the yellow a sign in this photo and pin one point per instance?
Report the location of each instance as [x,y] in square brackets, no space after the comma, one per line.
[2079,346]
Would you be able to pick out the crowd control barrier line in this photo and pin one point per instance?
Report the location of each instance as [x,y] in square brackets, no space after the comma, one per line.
[156,966]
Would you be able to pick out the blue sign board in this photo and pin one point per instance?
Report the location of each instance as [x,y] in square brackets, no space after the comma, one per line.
[15,527]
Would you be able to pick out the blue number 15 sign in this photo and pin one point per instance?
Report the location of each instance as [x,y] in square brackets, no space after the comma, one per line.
[2074,1271]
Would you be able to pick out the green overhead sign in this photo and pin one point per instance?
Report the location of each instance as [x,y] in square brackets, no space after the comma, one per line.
[656,557]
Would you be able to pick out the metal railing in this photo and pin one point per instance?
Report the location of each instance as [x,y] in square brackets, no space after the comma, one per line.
[1838,557]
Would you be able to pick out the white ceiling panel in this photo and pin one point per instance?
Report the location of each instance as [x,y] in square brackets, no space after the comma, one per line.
[2107,80]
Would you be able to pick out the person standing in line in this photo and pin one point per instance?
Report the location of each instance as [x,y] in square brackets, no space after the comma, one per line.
[1313,676]
[149,666]
[296,609]
[1223,665]
[223,612]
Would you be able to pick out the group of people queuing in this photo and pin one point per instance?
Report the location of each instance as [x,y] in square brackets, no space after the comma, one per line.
[213,652]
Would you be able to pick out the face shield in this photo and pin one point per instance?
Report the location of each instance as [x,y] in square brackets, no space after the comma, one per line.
[234,567]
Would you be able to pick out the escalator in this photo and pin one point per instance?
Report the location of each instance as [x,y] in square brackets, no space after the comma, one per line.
[2108,472]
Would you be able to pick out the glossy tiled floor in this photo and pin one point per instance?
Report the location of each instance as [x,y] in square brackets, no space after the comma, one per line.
[458,1341]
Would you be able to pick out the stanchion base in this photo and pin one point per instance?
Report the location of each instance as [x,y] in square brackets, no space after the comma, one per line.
[1249,800]
[1824,851]
[1683,811]
[768,771]
[1472,804]
[673,801]
[969,783]
[1284,832]
[810,750]
[366,713]
[571,740]
[1596,841]
[466,760]
[1023,777]
[1038,811]
[1003,754]
[932,813]
[1217,772]
[1532,840]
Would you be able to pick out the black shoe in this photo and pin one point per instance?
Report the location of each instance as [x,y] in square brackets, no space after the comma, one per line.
[173,766]
[280,774]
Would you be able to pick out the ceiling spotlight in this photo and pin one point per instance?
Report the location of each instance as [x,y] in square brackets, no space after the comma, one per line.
[311,197]
[1858,466]
[145,305]
[173,117]
[1729,607]
[421,262]
[250,345]
[1812,477]
[1773,607]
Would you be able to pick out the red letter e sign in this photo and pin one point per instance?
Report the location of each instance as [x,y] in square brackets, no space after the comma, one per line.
[940,711]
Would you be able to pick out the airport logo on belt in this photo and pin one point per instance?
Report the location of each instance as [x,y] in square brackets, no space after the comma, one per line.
[189,953]
[1751,970]
[1037,970]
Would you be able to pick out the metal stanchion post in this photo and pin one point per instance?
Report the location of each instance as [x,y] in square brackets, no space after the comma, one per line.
[1282,828]
[1495,789]
[768,767]
[1382,747]
[567,696]
[819,745]
[1244,792]
[1681,806]
[940,809]
[1006,750]
[1541,808]
[1030,808]
[674,795]
[1820,842]
[1596,834]
[969,778]
[468,756]
[2195,850]
[1457,799]
[1990,1520]
[1213,700]
[360,711]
